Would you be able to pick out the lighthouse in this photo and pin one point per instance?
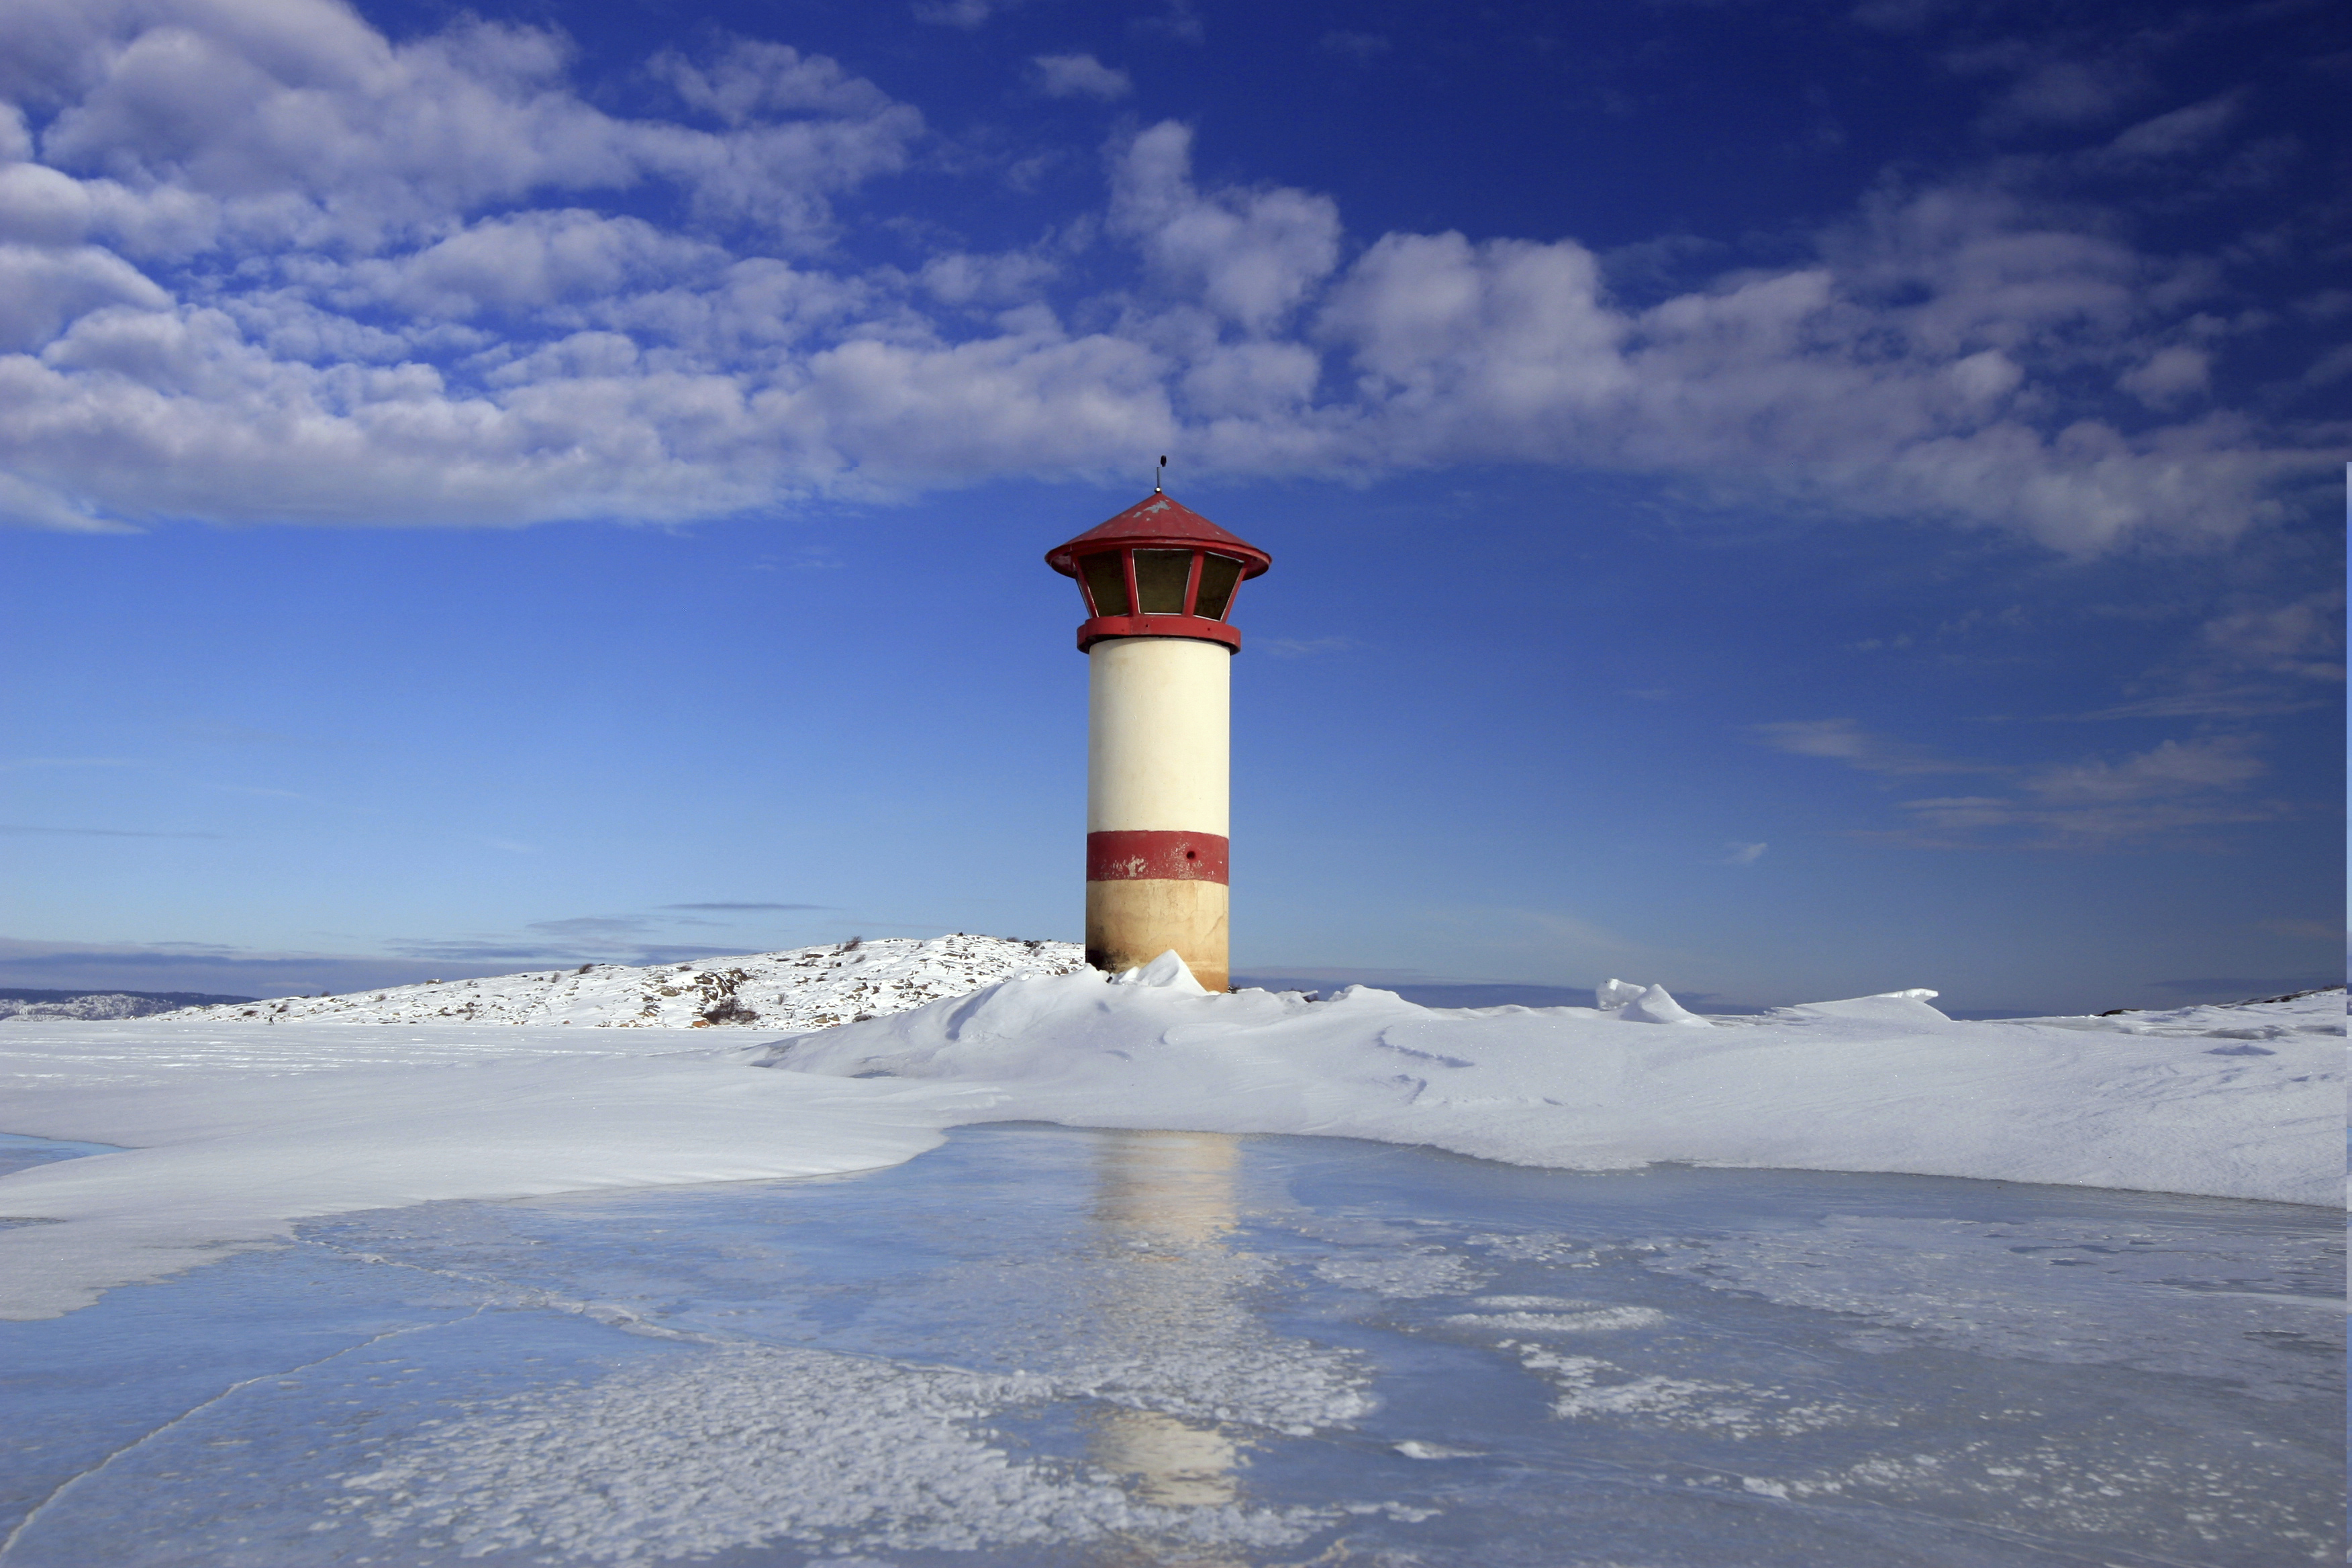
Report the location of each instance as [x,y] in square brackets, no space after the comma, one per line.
[1159,582]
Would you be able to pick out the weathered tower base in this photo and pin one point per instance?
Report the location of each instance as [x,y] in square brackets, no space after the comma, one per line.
[1129,923]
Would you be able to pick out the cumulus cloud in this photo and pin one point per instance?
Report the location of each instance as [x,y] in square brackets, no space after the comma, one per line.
[298,125]
[1079,75]
[2168,375]
[259,262]
[1249,256]
[43,289]
[753,80]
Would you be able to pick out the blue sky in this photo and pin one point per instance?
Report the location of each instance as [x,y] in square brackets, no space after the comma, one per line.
[1782,500]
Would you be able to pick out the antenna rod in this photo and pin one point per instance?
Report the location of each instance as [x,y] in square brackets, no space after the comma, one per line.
[1160,477]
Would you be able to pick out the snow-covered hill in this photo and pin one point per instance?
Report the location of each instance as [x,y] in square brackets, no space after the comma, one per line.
[805,988]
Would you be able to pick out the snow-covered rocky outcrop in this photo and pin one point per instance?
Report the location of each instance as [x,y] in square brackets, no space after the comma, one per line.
[105,1005]
[805,988]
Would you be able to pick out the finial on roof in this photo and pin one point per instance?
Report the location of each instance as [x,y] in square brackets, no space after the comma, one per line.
[1161,477]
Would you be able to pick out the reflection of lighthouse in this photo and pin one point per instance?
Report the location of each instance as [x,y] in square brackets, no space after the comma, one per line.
[1159,581]
[1165,1200]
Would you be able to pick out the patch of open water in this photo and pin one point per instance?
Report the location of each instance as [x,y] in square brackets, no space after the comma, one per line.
[1047,1346]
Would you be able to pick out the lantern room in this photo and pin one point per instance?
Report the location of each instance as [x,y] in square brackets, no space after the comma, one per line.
[1158,569]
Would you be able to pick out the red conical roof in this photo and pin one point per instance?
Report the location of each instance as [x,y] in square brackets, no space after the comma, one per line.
[1163,521]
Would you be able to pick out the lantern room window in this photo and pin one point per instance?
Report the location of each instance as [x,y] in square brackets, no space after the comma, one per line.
[1106,579]
[1161,578]
[1220,574]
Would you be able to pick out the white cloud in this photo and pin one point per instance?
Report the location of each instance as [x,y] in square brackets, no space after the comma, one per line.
[754,79]
[2168,375]
[1975,821]
[2175,767]
[28,505]
[1079,75]
[1745,854]
[964,14]
[40,206]
[1505,344]
[2305,637]
[534,259]
[960,277]
[2092,804]
[42,289]
[1251,382]
[1361,48]
[2181,132]
[301,125]
[2064,91]
[272,265]
[2050,86]
[1251,255]
[1843,741]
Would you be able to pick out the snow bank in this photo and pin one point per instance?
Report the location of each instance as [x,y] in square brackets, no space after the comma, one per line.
[230,1131]
[803,988]
[1877,1083]
[235,1134]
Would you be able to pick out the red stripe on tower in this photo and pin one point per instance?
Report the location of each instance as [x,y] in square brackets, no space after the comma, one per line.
[1134,857]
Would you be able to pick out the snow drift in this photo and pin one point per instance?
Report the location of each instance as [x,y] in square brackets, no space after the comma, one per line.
[1874,1083]
[230,1132]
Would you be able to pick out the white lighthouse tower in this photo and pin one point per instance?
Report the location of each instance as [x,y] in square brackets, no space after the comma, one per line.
[1159,581]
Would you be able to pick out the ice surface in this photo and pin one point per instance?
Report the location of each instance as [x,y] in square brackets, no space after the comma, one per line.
[18,1153]
[1045,1346]
[2048,1289]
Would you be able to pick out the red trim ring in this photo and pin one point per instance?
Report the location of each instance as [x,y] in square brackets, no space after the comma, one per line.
[1148,855]
[1102,628]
